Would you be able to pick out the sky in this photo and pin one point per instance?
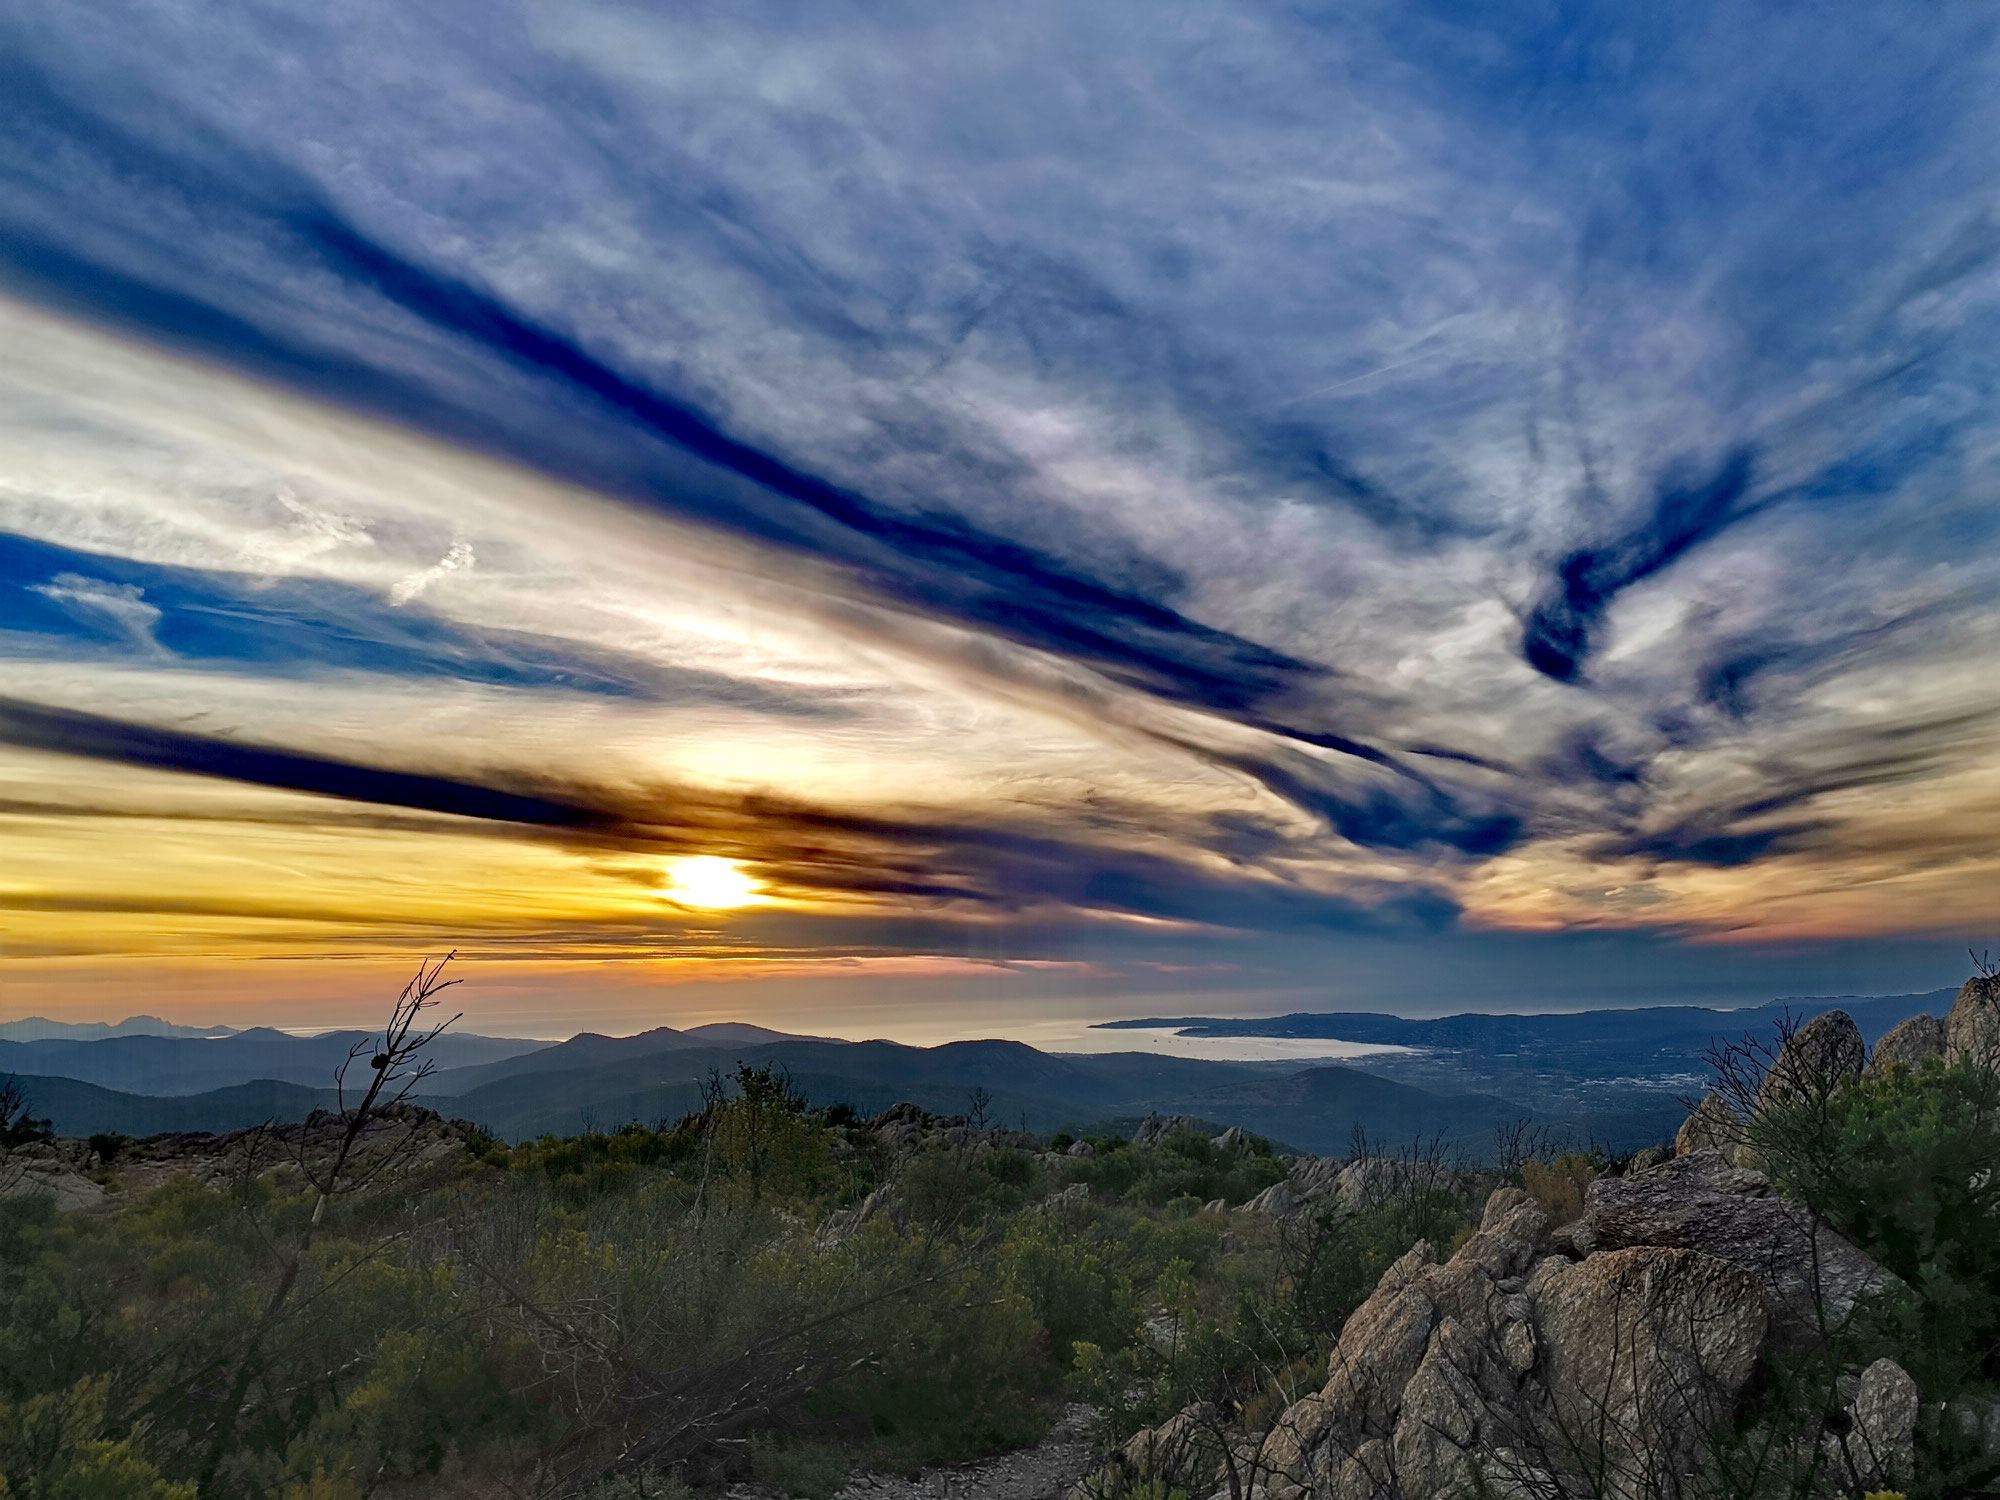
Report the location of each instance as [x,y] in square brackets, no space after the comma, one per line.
[937,520]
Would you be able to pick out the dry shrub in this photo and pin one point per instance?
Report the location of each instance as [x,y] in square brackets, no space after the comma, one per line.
[1559,1186]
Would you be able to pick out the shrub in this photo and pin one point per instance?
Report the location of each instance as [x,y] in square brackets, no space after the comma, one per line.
[1907,1165]
[809,1471]
[1559,1186]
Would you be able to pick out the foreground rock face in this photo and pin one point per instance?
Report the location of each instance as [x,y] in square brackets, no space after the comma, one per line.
[1480,1371]
[1648,1349]
[1536,1364]
[1807,1272]
[1879,1446]
[1505,1370]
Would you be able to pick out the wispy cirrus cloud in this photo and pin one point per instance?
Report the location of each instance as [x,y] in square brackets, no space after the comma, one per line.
[1238,469]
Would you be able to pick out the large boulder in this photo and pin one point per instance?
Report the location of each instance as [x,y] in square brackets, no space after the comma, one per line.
[1816,1059]
[1811,1276]
[1712,1126]
[1908,1043]
[1972,1030]
[1647,1349]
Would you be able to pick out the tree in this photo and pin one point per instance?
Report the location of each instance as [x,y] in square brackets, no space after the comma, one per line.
[329,1154]
[17,1126]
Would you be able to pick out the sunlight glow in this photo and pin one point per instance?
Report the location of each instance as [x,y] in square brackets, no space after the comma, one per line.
[706,881]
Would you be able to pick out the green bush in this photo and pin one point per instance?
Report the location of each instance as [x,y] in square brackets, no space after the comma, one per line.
[1907,1165]
[808,1471]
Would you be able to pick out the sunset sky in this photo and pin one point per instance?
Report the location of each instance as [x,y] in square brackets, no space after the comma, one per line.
[933,520]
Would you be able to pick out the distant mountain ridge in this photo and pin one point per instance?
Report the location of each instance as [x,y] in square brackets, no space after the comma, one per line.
[170,1065]
[42,1029]
[84,1109]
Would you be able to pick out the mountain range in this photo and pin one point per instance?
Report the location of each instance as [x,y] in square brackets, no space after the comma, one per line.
[167,1065]
[1618,1078]
[42,1029]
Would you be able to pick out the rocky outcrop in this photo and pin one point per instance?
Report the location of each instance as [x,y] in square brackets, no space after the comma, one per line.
[1506,1369]
[1908,1043]
[1157,1127]
[1810,1275]
[1816,1059]
[1972,1030]
[1352,1183]
[52,1167]
[842,1223]
[1311,1179]
[1594,1360]
[408,1137]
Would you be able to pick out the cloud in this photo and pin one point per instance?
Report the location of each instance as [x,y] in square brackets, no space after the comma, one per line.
[1216,468]
[798,849]
[121,605]
[460,556]
[1557,641]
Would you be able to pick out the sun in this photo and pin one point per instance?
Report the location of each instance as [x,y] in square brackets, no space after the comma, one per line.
[706,881]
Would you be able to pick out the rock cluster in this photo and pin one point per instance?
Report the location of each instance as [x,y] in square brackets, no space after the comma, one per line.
[1157,1127]
[906,1126]
[54,1167]
[1828,1052]
[1507,1369]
